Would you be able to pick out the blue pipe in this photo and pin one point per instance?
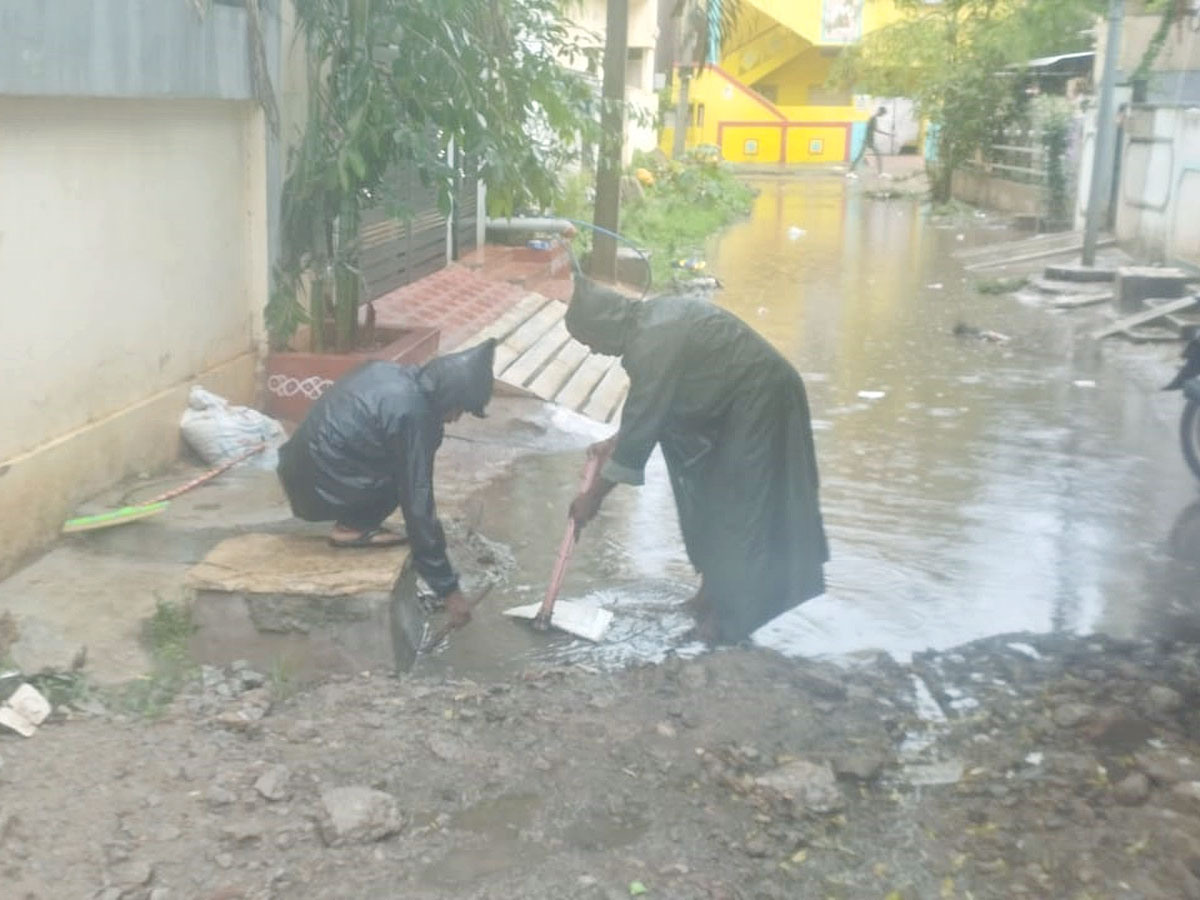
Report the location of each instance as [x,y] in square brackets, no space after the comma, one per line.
[615,236]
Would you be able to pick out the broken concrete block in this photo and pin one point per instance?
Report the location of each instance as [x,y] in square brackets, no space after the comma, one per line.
[1137,284]
[291,602]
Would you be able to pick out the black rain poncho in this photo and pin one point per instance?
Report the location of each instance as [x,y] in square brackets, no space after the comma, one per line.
[368,445]
[731,415]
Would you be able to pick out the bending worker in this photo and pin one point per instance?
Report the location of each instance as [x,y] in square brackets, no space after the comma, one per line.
[732,418]
[367,447]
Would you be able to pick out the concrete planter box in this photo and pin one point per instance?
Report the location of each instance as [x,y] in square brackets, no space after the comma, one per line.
[295,379]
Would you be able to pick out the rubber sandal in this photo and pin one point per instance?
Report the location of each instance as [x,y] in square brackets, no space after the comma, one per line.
[368,539]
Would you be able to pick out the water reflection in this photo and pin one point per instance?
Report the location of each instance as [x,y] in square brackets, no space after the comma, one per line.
[980,488]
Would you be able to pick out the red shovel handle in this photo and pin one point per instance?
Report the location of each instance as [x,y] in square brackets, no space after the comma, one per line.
[591,471]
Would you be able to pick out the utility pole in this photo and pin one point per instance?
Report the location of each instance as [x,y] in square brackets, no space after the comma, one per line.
[1106,136]
[612,138]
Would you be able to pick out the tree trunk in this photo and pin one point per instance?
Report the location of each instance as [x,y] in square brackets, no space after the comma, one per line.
[612,127]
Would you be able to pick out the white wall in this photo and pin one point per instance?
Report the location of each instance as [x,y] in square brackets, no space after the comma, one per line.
[1159,193]
[132,254]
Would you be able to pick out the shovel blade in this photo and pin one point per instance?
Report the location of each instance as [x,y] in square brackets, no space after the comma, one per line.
[579,619]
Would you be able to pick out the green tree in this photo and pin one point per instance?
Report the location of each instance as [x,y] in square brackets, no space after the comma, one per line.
[396,82]
[949,58]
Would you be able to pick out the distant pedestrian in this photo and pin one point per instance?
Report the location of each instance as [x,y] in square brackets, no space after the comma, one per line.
[869,140]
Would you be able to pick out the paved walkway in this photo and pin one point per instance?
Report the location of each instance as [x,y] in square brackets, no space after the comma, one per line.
[517,296]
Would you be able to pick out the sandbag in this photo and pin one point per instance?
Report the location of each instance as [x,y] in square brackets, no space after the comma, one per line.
[218,431]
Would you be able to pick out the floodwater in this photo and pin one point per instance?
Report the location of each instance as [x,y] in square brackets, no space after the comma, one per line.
[968,488]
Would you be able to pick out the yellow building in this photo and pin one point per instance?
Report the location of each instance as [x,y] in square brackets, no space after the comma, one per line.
[768,101]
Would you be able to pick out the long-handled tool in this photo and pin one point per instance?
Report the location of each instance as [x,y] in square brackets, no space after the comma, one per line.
[154,505]
[576,618]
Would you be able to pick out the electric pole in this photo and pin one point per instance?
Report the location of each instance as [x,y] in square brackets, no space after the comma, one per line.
[612,135]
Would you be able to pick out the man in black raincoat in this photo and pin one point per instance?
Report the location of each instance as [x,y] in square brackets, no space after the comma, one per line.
[732,418]
[367,446]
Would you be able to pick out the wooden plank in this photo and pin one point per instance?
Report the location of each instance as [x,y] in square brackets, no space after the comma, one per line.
[1025,245]
[559,370]
[508,321]
[607,395]
[527,334]
[1146,315]
[1030,257]
[580,386]
[530,362]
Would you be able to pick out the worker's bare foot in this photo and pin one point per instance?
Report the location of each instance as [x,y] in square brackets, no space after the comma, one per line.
[698,604]
[705,630]
[372,537]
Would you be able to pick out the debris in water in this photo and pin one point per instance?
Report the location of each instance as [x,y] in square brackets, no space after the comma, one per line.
[872,395]
[1084,383]
[795,233]
[1025,649]
[962,329]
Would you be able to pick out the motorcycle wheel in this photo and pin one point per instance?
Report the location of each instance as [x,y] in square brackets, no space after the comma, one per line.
[1189,435]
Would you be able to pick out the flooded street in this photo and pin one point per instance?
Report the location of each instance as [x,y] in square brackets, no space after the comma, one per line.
[968,488]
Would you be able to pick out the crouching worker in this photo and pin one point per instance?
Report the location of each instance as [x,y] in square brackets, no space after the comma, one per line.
[732,419]
[367,447]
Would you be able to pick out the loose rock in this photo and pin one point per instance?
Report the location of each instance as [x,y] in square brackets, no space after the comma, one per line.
[1132,790]
[1072,715]
[802,786]
[1163,700]
[273,783]
[358,815]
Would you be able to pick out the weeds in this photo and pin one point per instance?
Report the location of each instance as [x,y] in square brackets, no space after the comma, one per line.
[1000,285]
[167,635]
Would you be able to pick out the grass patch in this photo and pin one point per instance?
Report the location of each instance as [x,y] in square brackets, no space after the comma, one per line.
[686,203]
[166,634]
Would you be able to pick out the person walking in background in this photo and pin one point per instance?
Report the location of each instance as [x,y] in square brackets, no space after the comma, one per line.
[869,141]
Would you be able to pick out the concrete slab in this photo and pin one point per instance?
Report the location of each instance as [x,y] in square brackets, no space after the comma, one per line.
[71,599]
[1137,284]
[1079,274]
[292,602]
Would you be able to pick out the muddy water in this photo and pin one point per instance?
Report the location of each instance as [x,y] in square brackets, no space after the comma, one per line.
[968,488]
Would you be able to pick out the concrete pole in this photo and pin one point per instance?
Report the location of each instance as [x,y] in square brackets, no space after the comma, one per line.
[1106,135]
[612,138]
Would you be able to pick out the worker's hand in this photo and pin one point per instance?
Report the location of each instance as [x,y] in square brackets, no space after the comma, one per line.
[569,232]
[584,508]
[603,449]
[458,608]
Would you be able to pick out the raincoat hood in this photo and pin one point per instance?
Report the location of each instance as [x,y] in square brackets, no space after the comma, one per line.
[461,380]
[600,317]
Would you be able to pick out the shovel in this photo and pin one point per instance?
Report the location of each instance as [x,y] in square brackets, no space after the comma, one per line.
[578,619]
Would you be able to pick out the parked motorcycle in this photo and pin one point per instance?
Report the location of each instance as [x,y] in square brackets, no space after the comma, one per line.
[1188,381]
